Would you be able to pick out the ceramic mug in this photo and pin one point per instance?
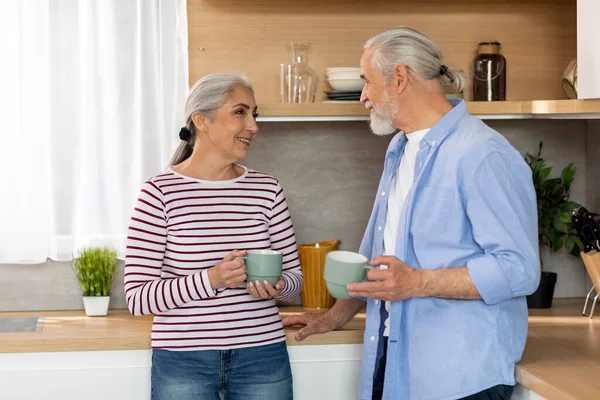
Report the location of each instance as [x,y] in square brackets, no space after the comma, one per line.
[263,265]
[342,268]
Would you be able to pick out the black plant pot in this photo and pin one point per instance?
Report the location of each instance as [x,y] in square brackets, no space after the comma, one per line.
[542,297]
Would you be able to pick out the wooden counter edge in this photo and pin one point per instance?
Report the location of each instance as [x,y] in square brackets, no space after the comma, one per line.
[27,345]
[540,387]
[30,342]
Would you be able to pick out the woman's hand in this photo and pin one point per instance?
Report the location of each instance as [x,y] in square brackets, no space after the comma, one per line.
[264,289]
[229,272]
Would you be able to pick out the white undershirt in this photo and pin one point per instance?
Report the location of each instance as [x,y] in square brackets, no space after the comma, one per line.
[398,191]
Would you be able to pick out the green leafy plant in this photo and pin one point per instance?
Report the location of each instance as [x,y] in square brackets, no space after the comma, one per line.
[554,208]
[95,270]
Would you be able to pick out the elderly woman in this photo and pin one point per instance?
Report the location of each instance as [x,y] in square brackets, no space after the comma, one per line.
[213,334]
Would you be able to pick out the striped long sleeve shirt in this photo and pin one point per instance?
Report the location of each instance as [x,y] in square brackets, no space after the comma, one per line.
[180,228]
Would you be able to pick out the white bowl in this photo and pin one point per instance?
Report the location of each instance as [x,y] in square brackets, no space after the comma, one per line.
[347,84]
[343,69]
[344,75]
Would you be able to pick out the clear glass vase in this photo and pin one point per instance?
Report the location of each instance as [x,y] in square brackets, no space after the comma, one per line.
[298,82]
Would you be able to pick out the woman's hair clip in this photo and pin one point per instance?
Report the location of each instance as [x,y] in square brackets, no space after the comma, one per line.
[185,134]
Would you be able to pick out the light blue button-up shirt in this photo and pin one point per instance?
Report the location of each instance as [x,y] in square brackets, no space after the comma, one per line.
[472,204]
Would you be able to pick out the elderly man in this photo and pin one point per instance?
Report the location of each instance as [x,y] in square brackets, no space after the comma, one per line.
[453,231]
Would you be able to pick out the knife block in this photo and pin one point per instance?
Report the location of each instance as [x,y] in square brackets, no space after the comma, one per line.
[592,265]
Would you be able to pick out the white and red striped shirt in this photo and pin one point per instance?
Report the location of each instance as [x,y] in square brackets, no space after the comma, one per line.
[181,227]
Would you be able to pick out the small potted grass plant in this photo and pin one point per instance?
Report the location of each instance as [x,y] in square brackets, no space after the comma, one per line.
[95,270]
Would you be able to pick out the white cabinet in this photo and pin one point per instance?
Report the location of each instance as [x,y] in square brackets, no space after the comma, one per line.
[75,375]
[327,372]
[522,393]
[588,53]
[321,372]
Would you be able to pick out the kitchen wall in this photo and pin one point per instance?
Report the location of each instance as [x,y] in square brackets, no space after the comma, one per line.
[330,173]
[593,166]
[564,142]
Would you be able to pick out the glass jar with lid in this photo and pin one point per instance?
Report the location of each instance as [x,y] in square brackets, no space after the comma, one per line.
[489,73]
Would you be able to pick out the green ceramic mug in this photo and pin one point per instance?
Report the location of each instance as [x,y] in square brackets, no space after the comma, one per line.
[342,268]
[263,265]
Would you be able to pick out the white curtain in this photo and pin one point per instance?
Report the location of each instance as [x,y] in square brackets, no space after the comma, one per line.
[91,102]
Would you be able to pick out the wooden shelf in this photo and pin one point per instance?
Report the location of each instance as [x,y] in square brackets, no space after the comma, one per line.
[313,111]
[338,29]
[537,109]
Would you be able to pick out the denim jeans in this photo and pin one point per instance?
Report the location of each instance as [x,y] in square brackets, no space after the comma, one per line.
[380,371]
[250,373]
[499,392]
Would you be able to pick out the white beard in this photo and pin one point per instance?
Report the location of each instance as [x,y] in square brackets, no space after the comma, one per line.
[381,125]
[382,120]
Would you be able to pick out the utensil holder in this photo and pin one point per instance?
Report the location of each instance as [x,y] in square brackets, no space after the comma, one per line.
[312,260]
[592,265]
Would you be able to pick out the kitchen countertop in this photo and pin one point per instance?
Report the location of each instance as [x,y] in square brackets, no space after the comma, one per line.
[73,331]
[561,359]
[562,354]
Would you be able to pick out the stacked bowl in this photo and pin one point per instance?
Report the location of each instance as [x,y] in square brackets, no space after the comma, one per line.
[346,83]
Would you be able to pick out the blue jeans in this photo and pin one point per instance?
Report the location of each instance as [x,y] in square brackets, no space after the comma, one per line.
[499,392]
[250,373]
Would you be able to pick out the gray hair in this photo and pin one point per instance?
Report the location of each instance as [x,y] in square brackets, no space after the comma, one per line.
[420,54]
[207,95]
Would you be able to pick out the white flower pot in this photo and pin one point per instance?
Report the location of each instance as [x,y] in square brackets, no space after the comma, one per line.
[96,306]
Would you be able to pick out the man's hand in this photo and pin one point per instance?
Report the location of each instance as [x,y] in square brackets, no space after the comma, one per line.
[397,282]
[313,323]
[339,315]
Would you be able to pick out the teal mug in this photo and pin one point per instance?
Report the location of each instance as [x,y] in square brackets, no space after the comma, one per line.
[342,268]
[263,265]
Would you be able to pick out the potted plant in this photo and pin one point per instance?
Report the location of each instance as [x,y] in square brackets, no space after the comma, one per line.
[554,221]
[95,270]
